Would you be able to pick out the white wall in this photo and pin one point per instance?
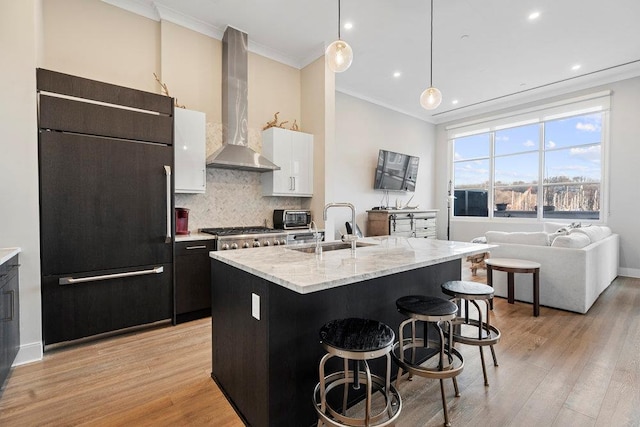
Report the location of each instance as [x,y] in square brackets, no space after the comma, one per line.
[362,129]
[19,44]
[623,182]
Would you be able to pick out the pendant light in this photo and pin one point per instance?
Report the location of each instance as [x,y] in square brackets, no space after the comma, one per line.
[338,54]
[431,97]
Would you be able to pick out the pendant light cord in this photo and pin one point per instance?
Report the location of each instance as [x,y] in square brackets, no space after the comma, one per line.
[339,19]
[430,49]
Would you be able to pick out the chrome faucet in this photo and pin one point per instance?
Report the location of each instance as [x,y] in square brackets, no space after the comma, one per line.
[348,237]
[316,236]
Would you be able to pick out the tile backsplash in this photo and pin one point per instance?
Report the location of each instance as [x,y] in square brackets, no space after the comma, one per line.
[233,197]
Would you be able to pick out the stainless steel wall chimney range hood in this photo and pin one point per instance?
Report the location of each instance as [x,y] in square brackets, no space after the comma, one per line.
[235,152]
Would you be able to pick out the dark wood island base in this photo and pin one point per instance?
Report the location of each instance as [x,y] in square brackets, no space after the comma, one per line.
[268,368]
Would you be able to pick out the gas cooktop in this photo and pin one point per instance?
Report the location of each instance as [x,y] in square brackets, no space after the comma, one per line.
[235,231]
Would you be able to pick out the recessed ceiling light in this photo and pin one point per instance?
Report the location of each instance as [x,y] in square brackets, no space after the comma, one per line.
[576,67]
[397,74]
[348,26]
[534,15]
[454,102]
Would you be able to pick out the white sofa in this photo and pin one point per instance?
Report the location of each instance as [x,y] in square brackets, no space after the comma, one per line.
[577,264]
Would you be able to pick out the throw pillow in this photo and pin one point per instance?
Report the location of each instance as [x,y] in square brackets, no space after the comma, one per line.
[574,240]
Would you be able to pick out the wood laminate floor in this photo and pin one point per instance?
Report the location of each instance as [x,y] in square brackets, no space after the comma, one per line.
[560,369]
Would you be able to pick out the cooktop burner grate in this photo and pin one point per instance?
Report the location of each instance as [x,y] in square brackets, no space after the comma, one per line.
[233,231]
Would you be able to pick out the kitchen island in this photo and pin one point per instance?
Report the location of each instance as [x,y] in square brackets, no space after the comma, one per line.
[268,305]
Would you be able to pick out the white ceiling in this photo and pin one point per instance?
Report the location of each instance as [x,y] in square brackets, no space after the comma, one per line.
[487,54]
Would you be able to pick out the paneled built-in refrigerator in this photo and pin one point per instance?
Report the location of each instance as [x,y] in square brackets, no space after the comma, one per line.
[106,206]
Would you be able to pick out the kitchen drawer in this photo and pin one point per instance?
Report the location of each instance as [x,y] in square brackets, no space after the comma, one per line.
[193,279]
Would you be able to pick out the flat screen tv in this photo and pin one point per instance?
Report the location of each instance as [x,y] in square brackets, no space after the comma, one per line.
[396,171]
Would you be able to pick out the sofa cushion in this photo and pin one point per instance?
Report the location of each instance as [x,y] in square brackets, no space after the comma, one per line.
[593,232]
[536,238]
[573,240]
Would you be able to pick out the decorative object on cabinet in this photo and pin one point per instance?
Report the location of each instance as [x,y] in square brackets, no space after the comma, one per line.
[165,90]
[9,317]
[293,152]
[190,151]
[272,123]
[295,126]
[402,223]
[193,279]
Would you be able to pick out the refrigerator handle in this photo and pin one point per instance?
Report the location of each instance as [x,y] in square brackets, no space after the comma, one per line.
[71,280]
[167,171]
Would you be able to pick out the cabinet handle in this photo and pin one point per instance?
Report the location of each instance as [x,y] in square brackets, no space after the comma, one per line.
[10,318]
[290,183]
[197,247]
[204,178]
[71,280]
[167,171]
[294,183]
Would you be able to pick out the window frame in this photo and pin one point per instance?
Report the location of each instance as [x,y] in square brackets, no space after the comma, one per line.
[598,102]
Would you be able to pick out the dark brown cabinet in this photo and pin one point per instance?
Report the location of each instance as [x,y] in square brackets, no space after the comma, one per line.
[106,206]
[193,279]
[9,317]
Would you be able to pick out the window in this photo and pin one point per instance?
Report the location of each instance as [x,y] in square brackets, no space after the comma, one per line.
[546,163]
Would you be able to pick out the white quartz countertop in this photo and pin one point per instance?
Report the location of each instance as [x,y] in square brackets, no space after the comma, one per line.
[307,272]
[194,235]
[7,253]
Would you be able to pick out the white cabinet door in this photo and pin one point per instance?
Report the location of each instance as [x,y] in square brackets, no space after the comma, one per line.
[302,164]
[293,152]
[190,151]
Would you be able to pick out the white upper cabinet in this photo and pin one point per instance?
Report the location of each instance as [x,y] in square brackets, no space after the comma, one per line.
[190,151]
[293,152]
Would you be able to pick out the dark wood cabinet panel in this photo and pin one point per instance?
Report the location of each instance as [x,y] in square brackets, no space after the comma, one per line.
[65,84]
[193,279]
[9,317]
[103,203]
[76,116]
[80,310]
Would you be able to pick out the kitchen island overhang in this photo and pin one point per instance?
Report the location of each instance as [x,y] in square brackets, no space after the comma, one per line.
[267,365]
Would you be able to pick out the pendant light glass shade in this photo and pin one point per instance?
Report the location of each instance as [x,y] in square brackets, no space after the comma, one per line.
[338,56]
[430,98]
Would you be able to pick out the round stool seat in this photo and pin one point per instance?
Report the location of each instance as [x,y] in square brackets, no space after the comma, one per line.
[357,335]
[467,290]
[426,308]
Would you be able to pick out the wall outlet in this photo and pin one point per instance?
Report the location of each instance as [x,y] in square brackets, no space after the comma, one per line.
[255,306]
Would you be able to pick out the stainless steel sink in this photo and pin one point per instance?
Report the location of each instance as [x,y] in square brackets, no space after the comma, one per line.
[331,246]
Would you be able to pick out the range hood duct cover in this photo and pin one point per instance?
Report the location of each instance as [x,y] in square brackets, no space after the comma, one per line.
[235,153]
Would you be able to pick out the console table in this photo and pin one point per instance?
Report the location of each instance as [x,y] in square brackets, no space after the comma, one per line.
[402,222]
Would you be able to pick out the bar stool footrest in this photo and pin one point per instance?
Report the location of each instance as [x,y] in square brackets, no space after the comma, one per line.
[386,416]
[490,334]
[453,369]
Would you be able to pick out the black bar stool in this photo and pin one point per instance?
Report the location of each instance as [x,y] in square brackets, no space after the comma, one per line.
[482,332]
[428,358]
[356,340]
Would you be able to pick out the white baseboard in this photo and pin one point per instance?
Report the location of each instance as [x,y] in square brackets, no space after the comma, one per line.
[629,272]
[28,353]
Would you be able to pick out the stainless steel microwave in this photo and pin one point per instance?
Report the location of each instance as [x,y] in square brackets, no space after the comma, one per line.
[285,219]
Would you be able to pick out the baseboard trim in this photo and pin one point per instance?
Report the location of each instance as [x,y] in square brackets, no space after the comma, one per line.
[28,353]
[629,272]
